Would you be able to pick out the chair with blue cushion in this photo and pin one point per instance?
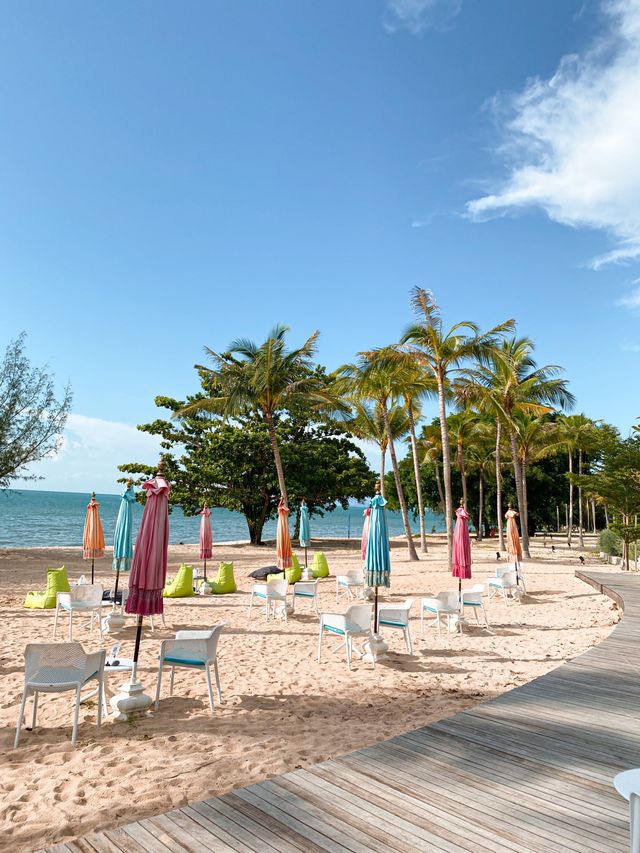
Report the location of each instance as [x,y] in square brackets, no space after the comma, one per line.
[273,594]
[443,604]
[356,622]
[307,590]
[397,616]
[191,650]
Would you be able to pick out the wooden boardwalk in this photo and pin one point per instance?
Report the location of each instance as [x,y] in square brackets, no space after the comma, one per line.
[528,771]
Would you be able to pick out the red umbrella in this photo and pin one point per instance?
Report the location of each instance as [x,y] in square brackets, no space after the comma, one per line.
[206,539]
[283,539]
[461,561]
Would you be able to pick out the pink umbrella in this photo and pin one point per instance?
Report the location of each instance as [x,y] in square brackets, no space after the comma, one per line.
[149,567]
[283,539]
[206,539]
[365,532]
[461,559]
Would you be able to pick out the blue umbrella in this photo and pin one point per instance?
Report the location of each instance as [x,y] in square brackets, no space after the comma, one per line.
[123,537]
[377,563]
[305,530]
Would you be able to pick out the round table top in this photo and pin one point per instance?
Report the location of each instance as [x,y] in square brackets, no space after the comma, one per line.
[627,783]
[125,665]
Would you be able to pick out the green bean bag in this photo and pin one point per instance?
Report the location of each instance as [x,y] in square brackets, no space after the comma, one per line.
[295,564]
[57,581]
[319,567]
[182,585]
[293,575]
[224,582]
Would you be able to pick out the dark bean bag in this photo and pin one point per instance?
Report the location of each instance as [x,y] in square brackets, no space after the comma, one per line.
[262,574]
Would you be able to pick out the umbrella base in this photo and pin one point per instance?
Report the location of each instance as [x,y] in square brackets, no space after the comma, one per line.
[114,622]
[130,701]
[375,649]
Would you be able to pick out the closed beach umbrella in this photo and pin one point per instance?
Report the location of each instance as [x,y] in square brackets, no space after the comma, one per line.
[514,549]
[377,564]
[305,530]
[365,532]
[93,534]
[123,536]
[461,561]
[206,537]
[283,539]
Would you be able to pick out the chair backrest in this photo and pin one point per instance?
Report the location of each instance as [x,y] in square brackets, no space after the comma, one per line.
[87,594]
[450,597]
[509,579]
[201,644]
[477,587]
[50,656]
[358,617]
[81,580]
[396,612]
[355,576]
[502,570]
[277,588]
[473,596]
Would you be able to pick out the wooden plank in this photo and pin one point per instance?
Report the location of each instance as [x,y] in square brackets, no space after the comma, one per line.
[278,831]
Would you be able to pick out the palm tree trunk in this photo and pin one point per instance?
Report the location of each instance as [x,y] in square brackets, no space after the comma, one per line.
[413,555]
[593,515]
[499,486]
[557,518]
[446,468]
[525,504]
[276,457]
[463,473]
[606,516]
[480,505]
[517,475]
[416,472]
[383,453]
[580,500]
[570,504]
[436,470]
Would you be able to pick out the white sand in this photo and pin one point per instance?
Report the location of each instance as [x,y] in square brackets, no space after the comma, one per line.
[281,710]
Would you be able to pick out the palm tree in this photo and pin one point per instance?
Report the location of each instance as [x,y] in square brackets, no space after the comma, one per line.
[508,383]
[535,439]
[442,353]
[374,378]
[431,443]
[367,423]
[478,457]
[576,434]
[461,426]
[266,378]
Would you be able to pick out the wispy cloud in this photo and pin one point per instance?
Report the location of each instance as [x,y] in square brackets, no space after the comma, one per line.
[571,142]
[627,347]
[631,299]
[416,16]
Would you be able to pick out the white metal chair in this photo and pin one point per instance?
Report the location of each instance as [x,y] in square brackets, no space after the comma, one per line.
[356,622]
[56,668]
[352,580]
[397,616]
[194,650]
[307,590]
[274,595]
[503,583]
[627,784]
[443,604]
[473,598]
[84,598]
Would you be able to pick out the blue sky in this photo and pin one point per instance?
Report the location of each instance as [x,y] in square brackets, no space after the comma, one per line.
[175,175]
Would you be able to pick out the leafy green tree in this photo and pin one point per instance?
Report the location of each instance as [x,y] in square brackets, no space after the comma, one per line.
[231,464]
[367,423]
[32,416]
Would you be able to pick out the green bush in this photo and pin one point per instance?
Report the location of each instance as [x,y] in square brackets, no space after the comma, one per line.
[610,543]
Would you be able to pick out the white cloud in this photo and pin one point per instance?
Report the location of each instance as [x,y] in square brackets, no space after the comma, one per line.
[416,16]
[625,346]
[88,459]
[572,141]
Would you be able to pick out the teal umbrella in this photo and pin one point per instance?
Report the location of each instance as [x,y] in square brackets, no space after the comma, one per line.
[305,530]
[377,563]
[123,537]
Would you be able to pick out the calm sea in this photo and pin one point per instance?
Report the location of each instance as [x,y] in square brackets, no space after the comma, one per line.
[39,519]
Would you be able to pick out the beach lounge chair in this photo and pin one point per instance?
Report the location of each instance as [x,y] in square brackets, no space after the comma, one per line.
[473,598]
[307,590]
[85,598]
[397,616]
[55,668]
[503,583]
[182,585]
[443,604]
[193,650]
[57,581]
[352,581]
[224,582]
[319,567]
[273,594]
[356,622]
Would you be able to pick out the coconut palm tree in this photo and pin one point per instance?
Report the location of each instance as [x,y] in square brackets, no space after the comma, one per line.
[367,423]
[478,453]
[375,378]
[511,382]
[461,426]
[535,439]
[430,442]
[266,378]
[442,353]
[576,434]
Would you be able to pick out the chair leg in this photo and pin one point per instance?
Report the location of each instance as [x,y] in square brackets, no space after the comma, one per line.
[217,675]
[407,640]
[250,605]
[475,610]
[164,623]
[484,614]
[438,624]
[504,595]
[100,701]
[319,642]
[173,672]
[20,718]
[348,645]
[35,710]
[76,712]
[158,683]
[55,623]
[209,687]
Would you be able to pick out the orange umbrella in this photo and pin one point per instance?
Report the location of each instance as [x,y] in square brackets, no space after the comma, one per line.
[283,540]
[93,535]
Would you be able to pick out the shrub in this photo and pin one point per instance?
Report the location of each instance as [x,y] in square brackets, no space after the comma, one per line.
[610,543]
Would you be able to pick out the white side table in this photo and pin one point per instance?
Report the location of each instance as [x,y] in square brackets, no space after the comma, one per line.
[627,784]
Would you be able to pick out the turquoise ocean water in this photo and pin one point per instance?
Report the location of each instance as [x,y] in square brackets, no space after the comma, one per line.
[40,519]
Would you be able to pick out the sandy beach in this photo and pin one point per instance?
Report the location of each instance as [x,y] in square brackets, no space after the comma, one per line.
[281,710]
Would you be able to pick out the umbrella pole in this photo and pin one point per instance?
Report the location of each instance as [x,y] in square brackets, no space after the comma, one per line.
[205,570]
[460,604]
[115,589]
[92,563]
[375,611]
[136,650]
[305,556]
